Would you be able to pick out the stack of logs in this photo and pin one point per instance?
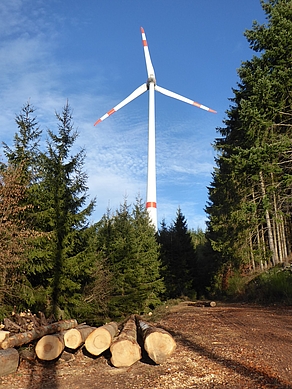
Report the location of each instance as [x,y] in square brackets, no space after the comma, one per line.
[50,340]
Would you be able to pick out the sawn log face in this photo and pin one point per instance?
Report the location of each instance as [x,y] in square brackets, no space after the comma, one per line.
[9,360]
[125,350]
[158,343]
[101,338]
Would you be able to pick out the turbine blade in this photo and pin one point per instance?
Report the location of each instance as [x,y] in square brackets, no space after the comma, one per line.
[137,92]
[182,98]
[149,66]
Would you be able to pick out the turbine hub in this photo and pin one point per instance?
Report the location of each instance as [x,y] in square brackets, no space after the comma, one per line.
[151,78]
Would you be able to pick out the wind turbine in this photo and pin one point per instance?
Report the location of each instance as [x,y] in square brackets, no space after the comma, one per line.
[151,86]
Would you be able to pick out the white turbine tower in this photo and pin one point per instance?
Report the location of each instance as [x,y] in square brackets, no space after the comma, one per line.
[151,86]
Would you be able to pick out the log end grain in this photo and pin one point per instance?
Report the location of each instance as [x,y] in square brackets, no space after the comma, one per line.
[49,347]
[3,335]
[159,346]
[98,341]
[125,353]
[9,360]
[73,338]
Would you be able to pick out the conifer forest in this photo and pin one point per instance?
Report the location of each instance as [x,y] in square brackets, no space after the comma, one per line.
[53,259]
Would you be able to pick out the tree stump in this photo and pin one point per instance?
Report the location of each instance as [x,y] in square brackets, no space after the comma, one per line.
[124,349]
[9,360]
[101,338]
[158,343]
[50,347]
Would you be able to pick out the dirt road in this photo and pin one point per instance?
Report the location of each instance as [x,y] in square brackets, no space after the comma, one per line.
[228,346]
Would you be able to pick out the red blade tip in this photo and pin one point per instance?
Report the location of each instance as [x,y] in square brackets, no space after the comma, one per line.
[98,121]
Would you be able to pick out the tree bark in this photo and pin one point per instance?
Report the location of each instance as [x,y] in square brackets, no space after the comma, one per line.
[9,360]
[101,338]
[37,333]
[158,343]
[125,349]
[50,347]
[268,222]
[75,337]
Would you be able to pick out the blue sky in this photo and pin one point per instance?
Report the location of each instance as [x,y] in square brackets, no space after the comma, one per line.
[90,52]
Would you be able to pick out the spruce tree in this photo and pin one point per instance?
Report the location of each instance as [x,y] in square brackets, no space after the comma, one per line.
[65,259]
[15,237]
[178,257]
[25,150]
[127,244]
[249,210]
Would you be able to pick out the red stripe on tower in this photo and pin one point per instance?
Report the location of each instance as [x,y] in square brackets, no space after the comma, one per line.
[151,204]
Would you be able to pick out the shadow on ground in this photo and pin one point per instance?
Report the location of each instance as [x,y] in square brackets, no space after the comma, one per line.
[258,376]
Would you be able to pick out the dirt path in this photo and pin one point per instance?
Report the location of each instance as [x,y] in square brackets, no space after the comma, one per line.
[228,346]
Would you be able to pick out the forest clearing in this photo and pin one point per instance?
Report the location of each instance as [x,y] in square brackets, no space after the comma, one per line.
[230,346]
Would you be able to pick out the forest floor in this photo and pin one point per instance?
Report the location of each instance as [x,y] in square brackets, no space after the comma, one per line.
[228,346]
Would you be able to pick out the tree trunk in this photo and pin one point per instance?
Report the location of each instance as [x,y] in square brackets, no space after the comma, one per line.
[26,337]
[9,360]
[268,222]
[158,343]
[125,350]
[75,337]
[101,338]
[50,347]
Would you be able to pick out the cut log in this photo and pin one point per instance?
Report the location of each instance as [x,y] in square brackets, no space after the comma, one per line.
[37,333]
[202,304]
[9,360]
[75,337]
[101,338]
[124,349]
[50,347]
[158,343]
[3,335]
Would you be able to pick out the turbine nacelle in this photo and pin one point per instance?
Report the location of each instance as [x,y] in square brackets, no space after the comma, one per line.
[151,79]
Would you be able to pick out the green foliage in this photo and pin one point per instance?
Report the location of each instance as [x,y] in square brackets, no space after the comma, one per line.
[270,287]
[249,204]
[126,242]
[62,196]
[178,258]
